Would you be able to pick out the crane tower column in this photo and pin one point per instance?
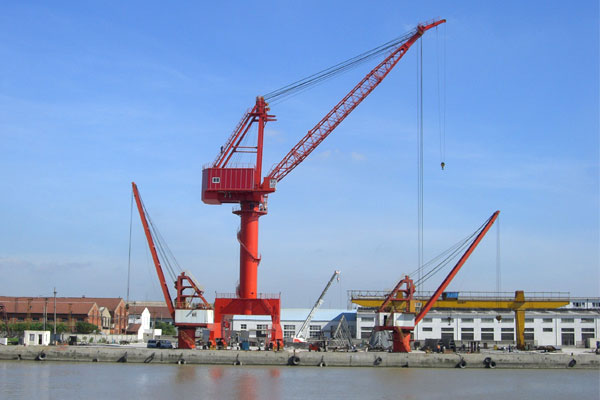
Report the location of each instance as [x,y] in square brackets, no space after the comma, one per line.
[249,213]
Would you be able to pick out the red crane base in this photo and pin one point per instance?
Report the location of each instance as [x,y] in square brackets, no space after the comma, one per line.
[241,306]
[400,338]
[400,341]
[186,337]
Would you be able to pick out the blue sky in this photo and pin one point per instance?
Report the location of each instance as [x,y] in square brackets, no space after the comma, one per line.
[94,96]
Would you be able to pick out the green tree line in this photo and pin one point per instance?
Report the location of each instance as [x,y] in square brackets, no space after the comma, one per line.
[17,328]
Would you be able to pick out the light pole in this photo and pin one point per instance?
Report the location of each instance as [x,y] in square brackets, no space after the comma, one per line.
[54,340]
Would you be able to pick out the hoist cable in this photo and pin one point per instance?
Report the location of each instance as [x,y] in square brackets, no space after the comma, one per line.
[420,162]
[336,69]
[448,255]
[161,247]
[498,271]
[129,256]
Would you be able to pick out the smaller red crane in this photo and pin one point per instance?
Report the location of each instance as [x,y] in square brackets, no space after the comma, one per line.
[402,321]
[187,313]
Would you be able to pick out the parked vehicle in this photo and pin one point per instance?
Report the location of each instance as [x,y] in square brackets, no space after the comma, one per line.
[159,344]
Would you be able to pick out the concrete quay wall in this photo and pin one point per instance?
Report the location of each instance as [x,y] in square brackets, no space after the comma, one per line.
[301,358]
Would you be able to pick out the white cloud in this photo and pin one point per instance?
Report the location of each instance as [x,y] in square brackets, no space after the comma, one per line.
[358,156]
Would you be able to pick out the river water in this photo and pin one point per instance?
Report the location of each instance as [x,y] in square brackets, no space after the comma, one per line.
[56,380]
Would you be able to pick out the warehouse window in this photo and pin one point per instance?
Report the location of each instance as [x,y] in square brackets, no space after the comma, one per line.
[587,320]
[507,334]
[547,320]
[548,330]
[367,319]
[467,334]
[427,319]
[587,333]
[289,331]
[487,320]
[529,334]
[508,320]
[447,333]
[261,330]
[467,320]
[487,333]
[315,331]
[243,327]
[568,337]
[427,329]
[567,320]
[529,320]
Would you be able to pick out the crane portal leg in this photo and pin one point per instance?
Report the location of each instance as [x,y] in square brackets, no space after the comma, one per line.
[186,337]
[400,341]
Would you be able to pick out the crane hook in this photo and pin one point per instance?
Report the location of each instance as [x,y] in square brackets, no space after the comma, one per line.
[443,164]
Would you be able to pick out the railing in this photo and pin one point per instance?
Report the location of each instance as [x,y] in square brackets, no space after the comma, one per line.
[463,295]
[258,296]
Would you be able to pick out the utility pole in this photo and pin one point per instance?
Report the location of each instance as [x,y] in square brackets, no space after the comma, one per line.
[45,312]
[54,340]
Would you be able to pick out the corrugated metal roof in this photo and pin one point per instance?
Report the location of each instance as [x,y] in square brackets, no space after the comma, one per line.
[300,314]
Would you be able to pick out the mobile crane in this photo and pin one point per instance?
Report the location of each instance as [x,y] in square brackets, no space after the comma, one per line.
[402,318]
[187,313]
[300,337]
[224,182]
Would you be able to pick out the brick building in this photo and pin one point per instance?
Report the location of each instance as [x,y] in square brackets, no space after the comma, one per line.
[108,314]
[114,305]
[40,309]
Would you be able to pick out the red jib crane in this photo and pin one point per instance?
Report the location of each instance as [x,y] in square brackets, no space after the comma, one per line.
[224,182]
[402,321]
[186,314]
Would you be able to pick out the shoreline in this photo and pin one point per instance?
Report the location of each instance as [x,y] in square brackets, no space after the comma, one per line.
[124,354]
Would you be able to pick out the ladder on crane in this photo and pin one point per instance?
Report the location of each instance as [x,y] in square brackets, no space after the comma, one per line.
[301,335]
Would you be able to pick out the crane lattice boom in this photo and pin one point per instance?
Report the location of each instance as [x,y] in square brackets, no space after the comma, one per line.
[317,134]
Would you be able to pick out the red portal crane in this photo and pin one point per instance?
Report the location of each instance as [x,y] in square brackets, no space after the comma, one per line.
[224,182]
[186,314]
[403,323]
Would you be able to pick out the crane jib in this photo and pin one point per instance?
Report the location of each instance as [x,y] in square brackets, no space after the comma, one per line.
[324,127]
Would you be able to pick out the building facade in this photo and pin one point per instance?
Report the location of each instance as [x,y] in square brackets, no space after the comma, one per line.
[573,325]
[322,325]
[41,309]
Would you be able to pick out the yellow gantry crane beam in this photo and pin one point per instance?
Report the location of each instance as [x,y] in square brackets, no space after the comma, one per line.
[519,305]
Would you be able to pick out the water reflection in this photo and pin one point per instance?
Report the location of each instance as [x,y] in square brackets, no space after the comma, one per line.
[54,380]
[185,373]
[246,387]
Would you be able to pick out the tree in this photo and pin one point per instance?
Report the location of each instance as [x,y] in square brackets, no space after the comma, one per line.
[85,327]
[167,329]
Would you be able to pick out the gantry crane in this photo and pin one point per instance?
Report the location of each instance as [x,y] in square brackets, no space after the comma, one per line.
[187,314]
[224,182]
[519,305]
[402,318]
[300,337]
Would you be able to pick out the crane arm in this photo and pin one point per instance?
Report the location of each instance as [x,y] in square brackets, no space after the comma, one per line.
[456,268]
[302,331]
[159,271]
[316,135]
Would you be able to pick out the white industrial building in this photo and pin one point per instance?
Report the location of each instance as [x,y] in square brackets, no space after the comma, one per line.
[323,322]
[572,325]
[577,324]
